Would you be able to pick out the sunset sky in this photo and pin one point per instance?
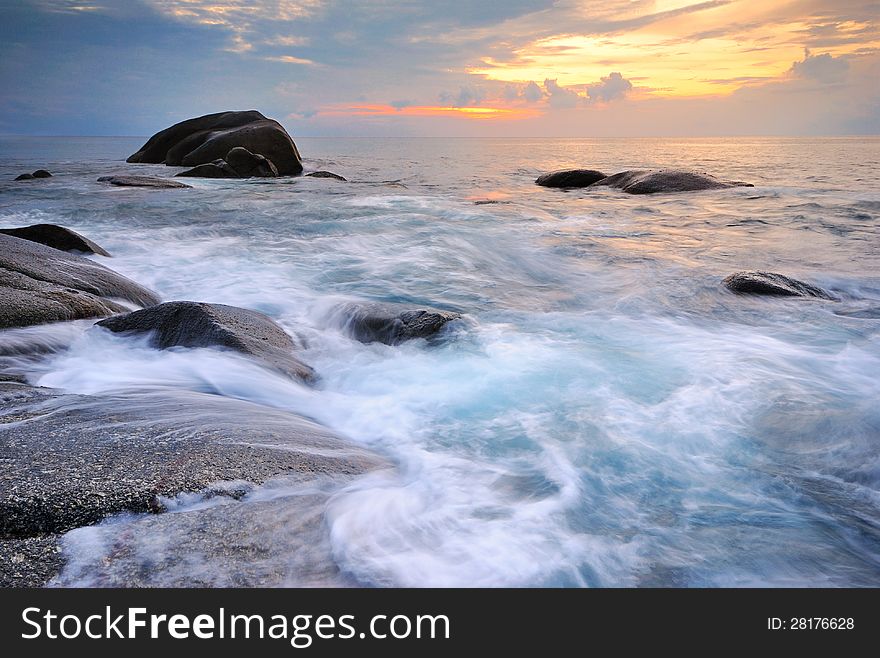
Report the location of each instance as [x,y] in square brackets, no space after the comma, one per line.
[569,68]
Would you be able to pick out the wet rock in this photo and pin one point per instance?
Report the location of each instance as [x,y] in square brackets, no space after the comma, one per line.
[24,177]
[40,284]
[666,180]
[71,460]
[771,283]
[390,323]
[250,165]
[198,324]
[207,138]
[326,174]
[217,169]
[56,237]
[142,181]
[41,173]
[570,178]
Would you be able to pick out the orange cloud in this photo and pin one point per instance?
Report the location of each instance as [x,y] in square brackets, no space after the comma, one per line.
[432,111]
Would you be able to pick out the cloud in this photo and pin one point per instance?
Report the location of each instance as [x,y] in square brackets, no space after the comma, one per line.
[561,98]
[290,59]
[532,92]
[467,95]
[399,105]
[823,68]
[609,88]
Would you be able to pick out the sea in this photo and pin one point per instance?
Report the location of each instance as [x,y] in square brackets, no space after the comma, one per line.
[605,414]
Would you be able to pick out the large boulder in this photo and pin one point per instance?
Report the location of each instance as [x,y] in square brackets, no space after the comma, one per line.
[142,181]
[40,284]
[667,180]
[771,283]
[56,237]
[389,323]
[566,178]
[210,137]
[198,324]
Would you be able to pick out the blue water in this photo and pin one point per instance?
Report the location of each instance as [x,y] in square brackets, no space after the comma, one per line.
[606,414]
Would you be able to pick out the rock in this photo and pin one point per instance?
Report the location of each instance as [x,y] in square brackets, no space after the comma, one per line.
[771,283]
[570,178]
[29,562]
[71,460]
[56,237]
[207,138]
[39,173]
[142,181]
[667,180]
[389,323]
[39,284]
[326,174]
[198,324]
[248,165]
[217,169]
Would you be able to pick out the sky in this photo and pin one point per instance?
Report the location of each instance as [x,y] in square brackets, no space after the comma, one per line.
[511,68]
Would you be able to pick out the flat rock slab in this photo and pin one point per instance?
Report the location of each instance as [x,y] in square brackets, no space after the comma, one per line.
[71,460]
[570,178]
[39,284]
[142,181]
[56,237]
[772,283]
[389,323]
[199,324]
[326,174]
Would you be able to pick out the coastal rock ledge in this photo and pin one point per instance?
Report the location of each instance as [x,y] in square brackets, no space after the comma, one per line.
[211,137]
[637,181]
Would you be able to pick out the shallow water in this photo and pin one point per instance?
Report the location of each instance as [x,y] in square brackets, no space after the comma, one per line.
[605,415]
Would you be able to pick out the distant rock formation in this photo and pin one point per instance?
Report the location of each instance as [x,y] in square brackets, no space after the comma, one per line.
[570,178]
[39,173]
[207,138]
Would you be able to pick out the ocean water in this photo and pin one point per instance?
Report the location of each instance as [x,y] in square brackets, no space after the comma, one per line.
[605,415]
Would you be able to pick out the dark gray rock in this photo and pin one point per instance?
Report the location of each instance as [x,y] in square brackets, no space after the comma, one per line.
[570,178]
[41,173]
[39,284]
[24,177]
[56,237]
[666,180]
[250,165]
[771,283]
[142,181]
[216,169]
[389,323]
[198,324]
[207,138]
[71,460]
[327,174]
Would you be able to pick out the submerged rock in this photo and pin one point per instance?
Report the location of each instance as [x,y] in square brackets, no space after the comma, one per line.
[327,174]
[40,284]
[39,173]
[771,283]
[198,324]
[142,181]
[570,178]
[666,180]
[77,459]
[207,138]
[56,237]
[390,323]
